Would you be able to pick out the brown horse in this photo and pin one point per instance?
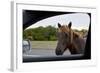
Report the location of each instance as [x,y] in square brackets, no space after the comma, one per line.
[68,39]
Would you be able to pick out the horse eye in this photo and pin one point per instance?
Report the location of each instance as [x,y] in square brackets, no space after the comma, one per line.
[66,34]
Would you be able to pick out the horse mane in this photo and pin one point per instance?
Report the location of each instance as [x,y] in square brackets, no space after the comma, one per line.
[76,35]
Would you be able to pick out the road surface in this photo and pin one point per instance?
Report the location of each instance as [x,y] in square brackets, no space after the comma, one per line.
[37,55]
[45,52]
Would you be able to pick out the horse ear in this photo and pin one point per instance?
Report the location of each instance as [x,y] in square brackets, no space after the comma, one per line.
[70,24]
[59,25]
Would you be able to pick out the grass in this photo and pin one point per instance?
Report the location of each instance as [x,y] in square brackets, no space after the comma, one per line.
[43,44]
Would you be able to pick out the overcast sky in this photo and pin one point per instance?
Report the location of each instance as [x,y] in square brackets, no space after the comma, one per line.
[79,21]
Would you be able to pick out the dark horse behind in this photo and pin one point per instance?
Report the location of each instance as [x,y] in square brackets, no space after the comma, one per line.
[68,39]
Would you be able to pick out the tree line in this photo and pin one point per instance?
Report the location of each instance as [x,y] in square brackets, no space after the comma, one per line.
[40,33]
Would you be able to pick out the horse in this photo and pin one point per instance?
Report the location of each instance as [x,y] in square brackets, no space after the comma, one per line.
[69,39]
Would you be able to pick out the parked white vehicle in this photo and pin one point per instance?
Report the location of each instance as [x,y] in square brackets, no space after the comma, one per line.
[26,46]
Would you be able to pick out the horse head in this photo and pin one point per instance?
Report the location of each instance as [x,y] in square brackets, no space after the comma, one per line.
[66,37]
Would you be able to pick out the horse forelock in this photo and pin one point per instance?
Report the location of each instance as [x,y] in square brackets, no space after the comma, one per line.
[64,28]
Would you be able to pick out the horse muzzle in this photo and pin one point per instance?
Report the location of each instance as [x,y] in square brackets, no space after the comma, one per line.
[58,52]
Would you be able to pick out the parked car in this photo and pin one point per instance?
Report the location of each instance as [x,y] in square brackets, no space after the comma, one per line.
[26,46]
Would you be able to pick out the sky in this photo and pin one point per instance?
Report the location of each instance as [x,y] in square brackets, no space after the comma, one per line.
[79,21]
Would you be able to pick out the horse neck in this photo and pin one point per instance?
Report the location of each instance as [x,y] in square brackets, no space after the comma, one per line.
[72,38]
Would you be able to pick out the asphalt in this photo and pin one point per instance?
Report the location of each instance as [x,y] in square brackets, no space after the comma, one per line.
[45,52]
[38,55]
